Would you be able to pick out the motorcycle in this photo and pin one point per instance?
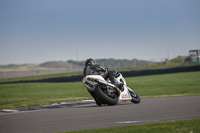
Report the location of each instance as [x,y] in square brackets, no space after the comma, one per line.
[104,92]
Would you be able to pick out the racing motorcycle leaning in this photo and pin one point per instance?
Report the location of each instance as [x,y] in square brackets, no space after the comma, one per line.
[104,92]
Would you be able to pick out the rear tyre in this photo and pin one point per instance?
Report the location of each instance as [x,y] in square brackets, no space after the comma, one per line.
[104,96]
[98,102]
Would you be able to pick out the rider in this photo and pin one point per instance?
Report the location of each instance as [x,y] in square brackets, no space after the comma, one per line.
[91,68]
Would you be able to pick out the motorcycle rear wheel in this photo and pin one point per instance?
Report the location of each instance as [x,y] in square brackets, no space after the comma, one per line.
[104,97]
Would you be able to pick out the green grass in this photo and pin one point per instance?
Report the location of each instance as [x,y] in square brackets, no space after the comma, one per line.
[41,77]
[38,94]
[178,84]
[12,66]
[181,126]
[24,95]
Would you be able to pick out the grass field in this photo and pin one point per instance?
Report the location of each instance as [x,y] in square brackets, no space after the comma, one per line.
[41,77]
[24,95]
[178,84]
[181,126]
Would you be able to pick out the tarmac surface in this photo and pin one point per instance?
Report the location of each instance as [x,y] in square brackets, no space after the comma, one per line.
[87,115]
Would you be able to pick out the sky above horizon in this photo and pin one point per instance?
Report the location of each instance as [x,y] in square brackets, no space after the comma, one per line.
[37,31]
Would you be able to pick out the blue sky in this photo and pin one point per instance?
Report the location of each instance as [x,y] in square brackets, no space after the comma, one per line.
[37,31]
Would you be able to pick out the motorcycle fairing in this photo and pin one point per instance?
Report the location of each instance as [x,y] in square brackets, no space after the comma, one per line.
[125,95]
[90,81]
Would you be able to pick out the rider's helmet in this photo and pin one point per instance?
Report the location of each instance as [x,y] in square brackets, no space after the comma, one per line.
[90,62]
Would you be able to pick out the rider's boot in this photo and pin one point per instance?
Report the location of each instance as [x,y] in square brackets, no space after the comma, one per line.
[120,86]
[113,81]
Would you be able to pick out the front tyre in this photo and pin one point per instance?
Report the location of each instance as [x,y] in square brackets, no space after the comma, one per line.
[135,97]
[105,97]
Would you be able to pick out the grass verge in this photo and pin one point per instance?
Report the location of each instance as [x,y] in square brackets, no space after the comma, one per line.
[25,95]
[180,126]
[177,84]
[28,78]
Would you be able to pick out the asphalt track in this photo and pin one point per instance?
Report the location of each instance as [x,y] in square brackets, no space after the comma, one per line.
[90,116]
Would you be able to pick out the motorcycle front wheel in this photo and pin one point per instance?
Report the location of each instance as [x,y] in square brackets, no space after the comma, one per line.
[105,97]
[135,98]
